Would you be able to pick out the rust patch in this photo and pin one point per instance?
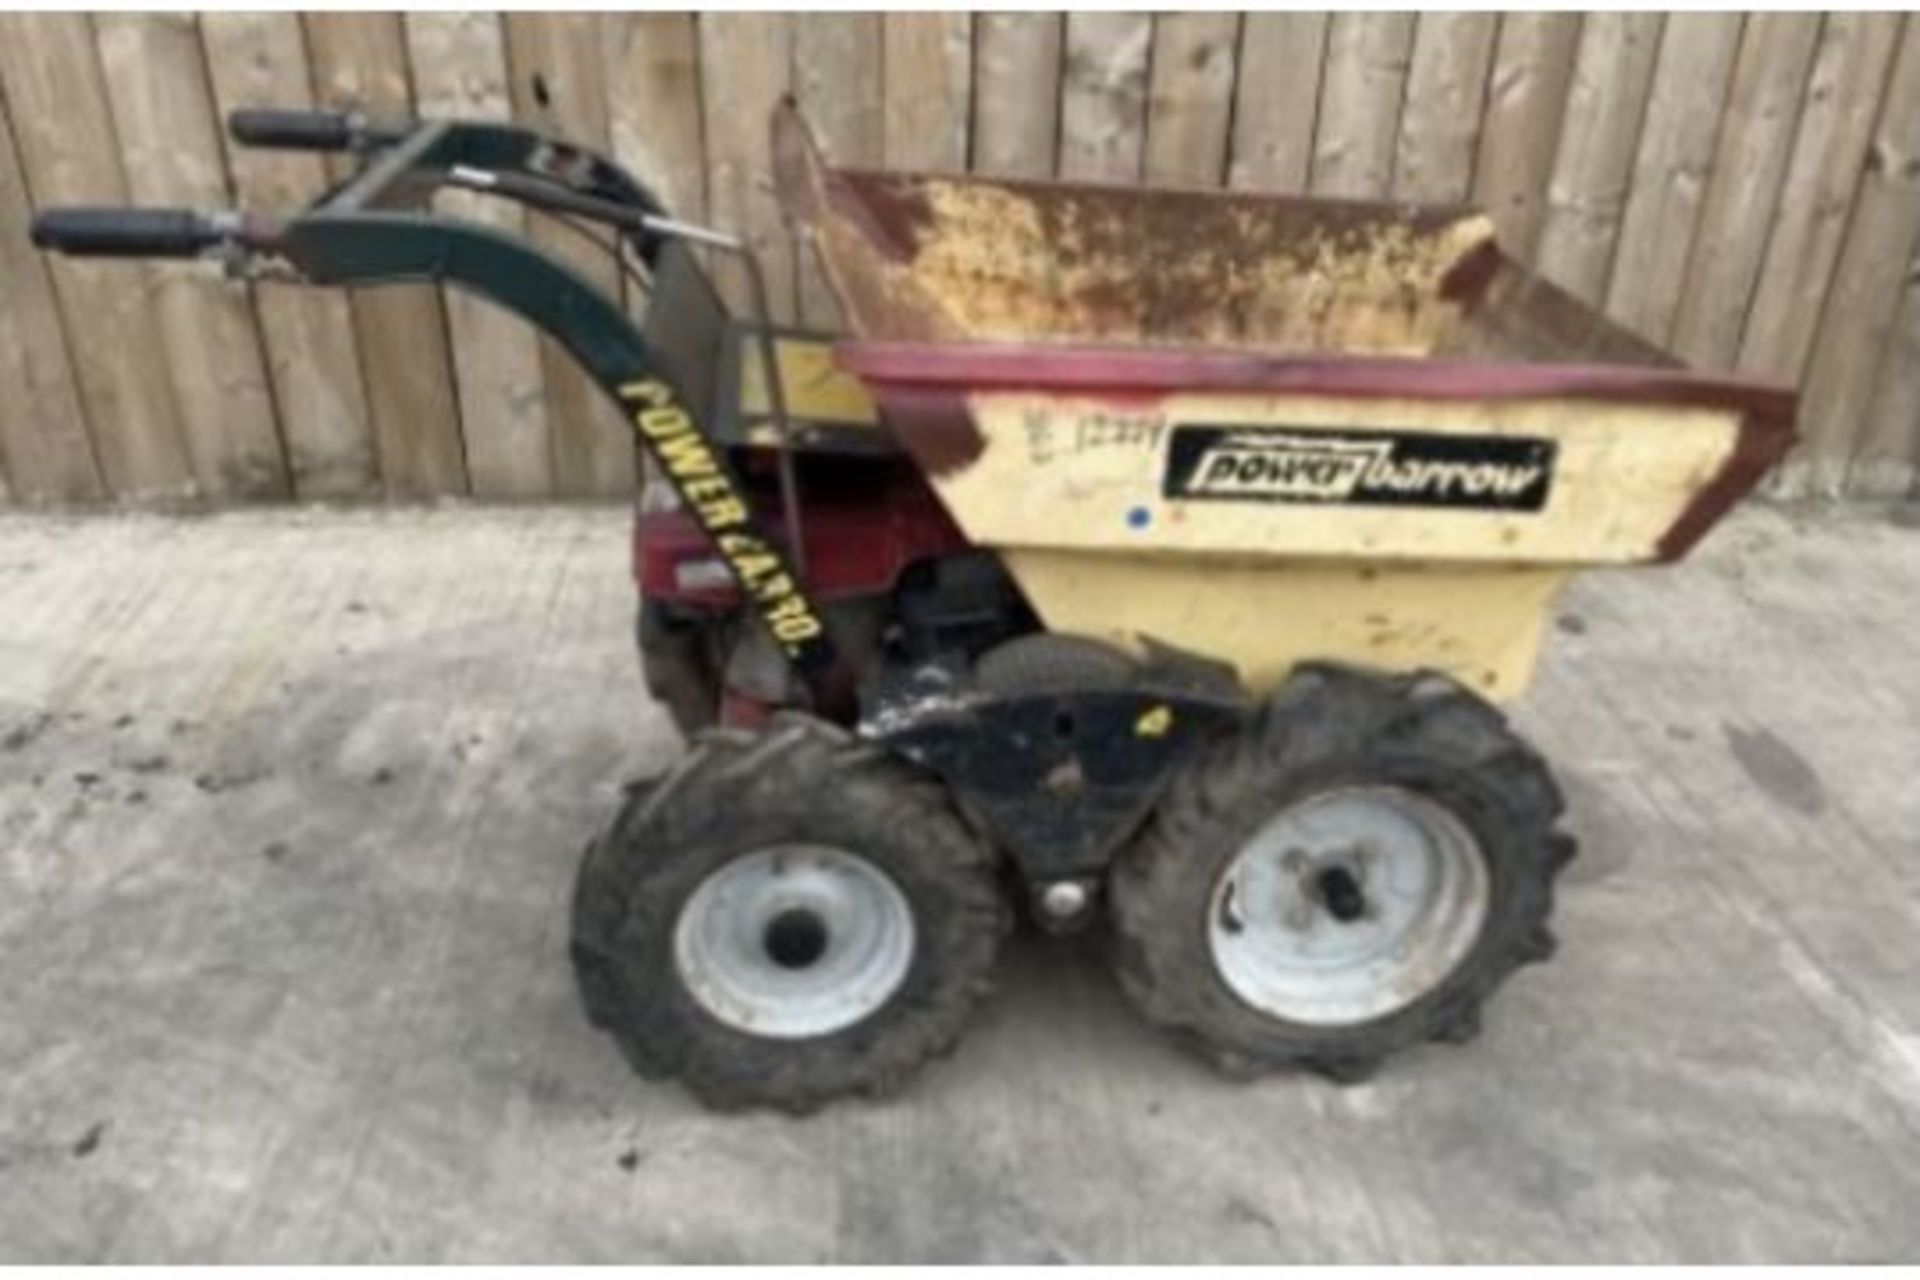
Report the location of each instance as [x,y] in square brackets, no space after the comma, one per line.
[1465,283]
[1766,433]
[889,211]
[1523,317]
[959,259]
[1137,372]
[935,426]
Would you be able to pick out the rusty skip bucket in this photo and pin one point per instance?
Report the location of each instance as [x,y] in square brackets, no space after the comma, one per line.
[1268,428]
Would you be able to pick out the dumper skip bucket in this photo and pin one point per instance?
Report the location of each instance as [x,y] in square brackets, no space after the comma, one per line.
[1268,428]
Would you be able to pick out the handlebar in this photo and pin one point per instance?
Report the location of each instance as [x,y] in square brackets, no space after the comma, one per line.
[311,130]
[130,233]
[401,162]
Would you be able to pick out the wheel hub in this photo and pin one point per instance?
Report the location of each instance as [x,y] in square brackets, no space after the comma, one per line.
[1348,906]
[795,938]
[794,941]
[1340,889]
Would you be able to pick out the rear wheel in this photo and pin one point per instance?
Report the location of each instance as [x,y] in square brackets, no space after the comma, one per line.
[1353,873]
[787,918]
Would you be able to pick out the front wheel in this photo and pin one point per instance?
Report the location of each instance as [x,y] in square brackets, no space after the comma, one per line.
[1353,873]
[787,918]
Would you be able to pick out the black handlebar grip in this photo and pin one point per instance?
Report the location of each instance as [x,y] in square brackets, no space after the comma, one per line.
[126,233]
[292,130]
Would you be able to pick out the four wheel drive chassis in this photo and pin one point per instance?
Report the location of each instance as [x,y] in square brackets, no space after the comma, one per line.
[1319,843]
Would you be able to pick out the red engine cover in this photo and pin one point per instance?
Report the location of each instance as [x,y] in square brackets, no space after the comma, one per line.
[854,545]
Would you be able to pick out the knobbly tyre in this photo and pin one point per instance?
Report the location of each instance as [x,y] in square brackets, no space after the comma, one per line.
[1151,554]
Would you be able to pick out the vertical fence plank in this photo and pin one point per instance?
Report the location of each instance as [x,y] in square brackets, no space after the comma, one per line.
[459,64]
[1733,187]
[1887,463]
[359,63]
[1526,105]
[1864,299]
[558,85]
[1588,193]
[653,106]
[260,60]
[745,65]
[1689,92]
[64,133]
[838,78]
[43,431]
[1446,93]
[1849,71]
[928,79]
[1016,93]
[1749,159]
[1190,98]
[1276,100]
[169,139]
[1103,95]
[1360,93]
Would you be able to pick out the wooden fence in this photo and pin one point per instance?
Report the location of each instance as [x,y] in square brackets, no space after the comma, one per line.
[1745,190]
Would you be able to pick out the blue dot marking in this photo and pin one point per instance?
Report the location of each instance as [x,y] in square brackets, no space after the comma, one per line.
[1139,518]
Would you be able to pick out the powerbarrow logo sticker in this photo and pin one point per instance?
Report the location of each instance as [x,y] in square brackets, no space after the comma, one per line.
[1359,468]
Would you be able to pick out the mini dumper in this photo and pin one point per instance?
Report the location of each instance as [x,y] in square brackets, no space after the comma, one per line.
[1154,555]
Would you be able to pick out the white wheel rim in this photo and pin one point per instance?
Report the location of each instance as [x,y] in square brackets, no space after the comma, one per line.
[1348,906]
[794,941]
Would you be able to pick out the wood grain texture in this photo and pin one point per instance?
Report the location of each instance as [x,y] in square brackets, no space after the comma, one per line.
[1276,99]
[1864,300]
[838,79]
[1836,123]
[1526,104]
[1103,96]
[169,136]
[1360,94]
[1445,103]
[64,134]
[1016,93]
[1886,463]
[43,428]
[928,64]
[260,60]
[460,70]
[1190,98]
[746,64]
[359,63]
[558,85]
[1730,186]
[1750,158]
[1690,83]
[653,107]
[1588,194]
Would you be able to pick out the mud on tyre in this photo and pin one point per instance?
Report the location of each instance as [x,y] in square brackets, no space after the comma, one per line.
[1352,873]
[786,918]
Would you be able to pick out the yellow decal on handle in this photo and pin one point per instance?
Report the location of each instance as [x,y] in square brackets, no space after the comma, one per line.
[707,490]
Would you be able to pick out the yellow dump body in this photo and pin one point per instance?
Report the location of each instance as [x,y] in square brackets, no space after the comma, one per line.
[1269,429]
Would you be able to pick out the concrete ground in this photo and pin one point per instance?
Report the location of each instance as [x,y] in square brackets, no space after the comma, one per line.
[289,807]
